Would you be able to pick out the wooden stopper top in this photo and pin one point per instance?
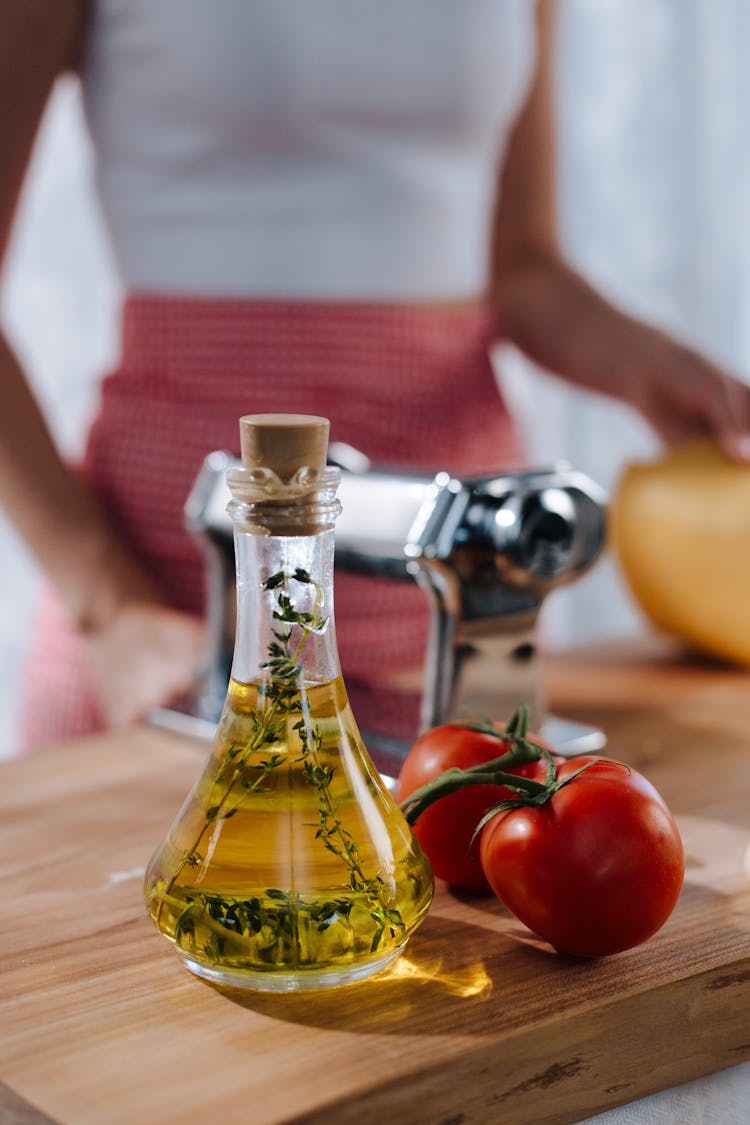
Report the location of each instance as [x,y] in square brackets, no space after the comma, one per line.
[283,442]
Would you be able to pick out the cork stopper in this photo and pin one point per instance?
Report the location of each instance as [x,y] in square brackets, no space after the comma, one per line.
[283,443]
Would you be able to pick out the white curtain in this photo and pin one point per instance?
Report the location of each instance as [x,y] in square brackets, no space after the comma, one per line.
[654,152]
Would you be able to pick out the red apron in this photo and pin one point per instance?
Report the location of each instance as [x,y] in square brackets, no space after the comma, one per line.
[411,386]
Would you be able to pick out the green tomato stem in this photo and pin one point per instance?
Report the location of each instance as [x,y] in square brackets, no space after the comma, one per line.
[494,772]
[454,779]
[527,791]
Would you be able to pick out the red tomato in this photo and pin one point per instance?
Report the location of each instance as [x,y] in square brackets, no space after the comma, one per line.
[595,870]
[446,828]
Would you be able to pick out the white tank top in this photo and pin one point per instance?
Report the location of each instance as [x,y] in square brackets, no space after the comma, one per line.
[320,149]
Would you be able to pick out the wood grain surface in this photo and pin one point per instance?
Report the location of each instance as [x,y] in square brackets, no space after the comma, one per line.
[479,1022]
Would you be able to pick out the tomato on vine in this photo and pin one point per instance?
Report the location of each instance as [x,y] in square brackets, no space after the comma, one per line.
[587,854]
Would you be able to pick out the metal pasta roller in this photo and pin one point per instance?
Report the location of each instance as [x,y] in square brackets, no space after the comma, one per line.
[485,551]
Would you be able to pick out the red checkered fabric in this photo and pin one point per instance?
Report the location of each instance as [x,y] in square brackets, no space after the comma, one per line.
[410,386]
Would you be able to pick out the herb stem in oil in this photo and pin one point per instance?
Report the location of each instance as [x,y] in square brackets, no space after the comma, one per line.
[283,695]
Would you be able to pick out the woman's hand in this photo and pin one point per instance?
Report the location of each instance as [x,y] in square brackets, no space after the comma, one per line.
[683,395]
[568,328]
[147,656]
[558,320]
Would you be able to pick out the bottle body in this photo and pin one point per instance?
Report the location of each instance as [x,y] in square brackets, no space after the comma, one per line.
[290,865]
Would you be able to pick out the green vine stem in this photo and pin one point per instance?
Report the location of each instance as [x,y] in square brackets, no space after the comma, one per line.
[522,750]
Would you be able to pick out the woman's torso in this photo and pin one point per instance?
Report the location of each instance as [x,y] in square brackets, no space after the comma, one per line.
[313,149]
[291,186]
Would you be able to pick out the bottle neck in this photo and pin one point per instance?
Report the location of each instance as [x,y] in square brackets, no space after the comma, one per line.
[285,607]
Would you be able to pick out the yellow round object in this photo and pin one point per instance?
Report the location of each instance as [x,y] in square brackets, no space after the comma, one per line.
[680,527]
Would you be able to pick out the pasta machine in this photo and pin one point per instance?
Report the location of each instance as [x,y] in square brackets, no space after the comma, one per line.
[485,551]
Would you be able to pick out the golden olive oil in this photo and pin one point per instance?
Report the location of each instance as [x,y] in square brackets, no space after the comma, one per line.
[290,859]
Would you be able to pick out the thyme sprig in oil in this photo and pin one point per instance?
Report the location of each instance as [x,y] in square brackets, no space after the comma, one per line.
[272,918]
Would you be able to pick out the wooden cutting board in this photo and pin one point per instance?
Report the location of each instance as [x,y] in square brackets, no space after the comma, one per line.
[478,1023]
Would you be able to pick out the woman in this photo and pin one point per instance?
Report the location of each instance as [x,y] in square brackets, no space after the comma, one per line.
[331,207]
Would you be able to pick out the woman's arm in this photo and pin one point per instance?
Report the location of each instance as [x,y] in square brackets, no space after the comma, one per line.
[55,515]
[144,652]
[562,323]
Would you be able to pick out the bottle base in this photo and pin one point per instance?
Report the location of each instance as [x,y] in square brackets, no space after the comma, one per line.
[306,980]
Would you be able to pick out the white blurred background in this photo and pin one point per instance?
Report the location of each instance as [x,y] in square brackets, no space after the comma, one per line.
[654,161]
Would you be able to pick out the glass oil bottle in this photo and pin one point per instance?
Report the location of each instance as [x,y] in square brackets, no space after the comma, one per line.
[290,866]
